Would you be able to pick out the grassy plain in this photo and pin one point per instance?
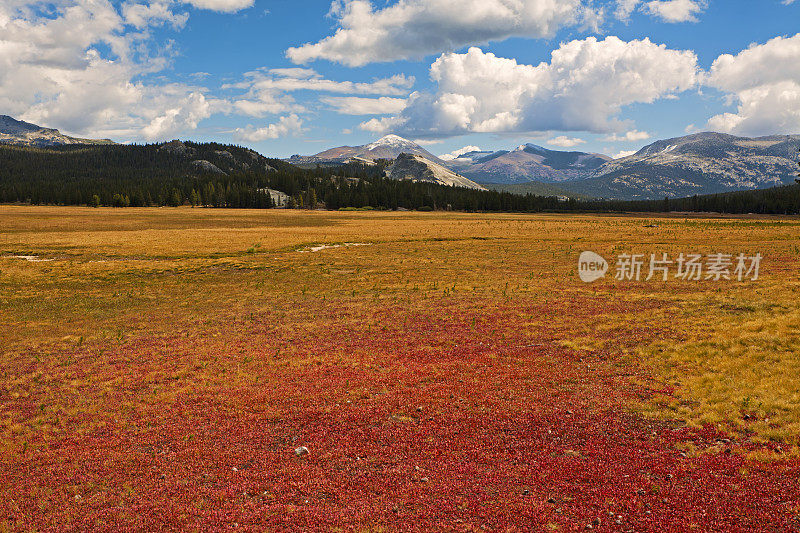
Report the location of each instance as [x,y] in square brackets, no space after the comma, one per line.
[158,367]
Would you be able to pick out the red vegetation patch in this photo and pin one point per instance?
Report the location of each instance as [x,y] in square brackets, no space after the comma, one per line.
[457,416]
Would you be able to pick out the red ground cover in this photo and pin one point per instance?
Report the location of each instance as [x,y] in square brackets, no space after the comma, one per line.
[452,417]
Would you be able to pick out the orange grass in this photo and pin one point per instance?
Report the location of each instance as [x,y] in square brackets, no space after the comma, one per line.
[159,346]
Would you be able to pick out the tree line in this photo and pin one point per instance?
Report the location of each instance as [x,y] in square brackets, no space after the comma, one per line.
[235,177]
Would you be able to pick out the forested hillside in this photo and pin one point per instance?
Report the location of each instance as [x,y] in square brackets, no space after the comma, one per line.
[221,176]
[216,175]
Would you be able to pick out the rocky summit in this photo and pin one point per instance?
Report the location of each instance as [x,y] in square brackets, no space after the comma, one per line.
[20,133]
[387,147]
[417,168]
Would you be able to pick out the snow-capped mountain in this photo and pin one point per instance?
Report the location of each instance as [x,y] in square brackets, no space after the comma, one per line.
[703,163]
[388,147]
[21,133]
[527,162]
[417,168]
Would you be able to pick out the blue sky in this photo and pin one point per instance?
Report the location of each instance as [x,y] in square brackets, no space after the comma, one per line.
[286,77]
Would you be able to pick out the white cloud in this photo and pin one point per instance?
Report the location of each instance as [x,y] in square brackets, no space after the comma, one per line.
[381,125]
[185,113]
[427,142]
[676,10]
[302,79]
[286,126]
[623,153]
[356,105]
[764,80]
[667,10]
[269,92]
[155,13]
[565,142]
[625,8]
[583,88]
[461,151]
[262,103]
[415,28]
[81,68]
[631,136]
[766,110]
[223,6]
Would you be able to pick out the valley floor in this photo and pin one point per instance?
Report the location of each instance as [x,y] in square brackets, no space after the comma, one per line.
[161,369]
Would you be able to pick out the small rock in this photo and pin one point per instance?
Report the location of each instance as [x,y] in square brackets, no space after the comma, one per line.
[596,522]
[551,500]
[301,451]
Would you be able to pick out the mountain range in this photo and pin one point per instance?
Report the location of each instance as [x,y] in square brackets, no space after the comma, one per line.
[527,162]
[21,133]
[698,164]
[702,163]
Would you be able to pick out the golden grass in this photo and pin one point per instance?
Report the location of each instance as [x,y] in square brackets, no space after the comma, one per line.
[730,349]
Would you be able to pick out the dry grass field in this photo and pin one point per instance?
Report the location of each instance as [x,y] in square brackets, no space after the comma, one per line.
[159,368]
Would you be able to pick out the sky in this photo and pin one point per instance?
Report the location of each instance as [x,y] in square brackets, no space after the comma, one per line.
[299,76]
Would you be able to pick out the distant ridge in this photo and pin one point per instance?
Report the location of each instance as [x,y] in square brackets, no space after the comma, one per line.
[20,133]
[527,162]
[697,164]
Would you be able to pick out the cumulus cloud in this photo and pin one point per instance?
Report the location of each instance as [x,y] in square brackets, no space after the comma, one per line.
[676,10]
[222,6]
[415,28]
[764,80]
[583,88]
[82,69]
[456,153]
[286,126]
[623,153]
[631,136]
[356,105]
[565,142]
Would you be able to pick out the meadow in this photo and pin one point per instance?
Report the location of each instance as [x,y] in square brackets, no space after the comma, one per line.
[167,369]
